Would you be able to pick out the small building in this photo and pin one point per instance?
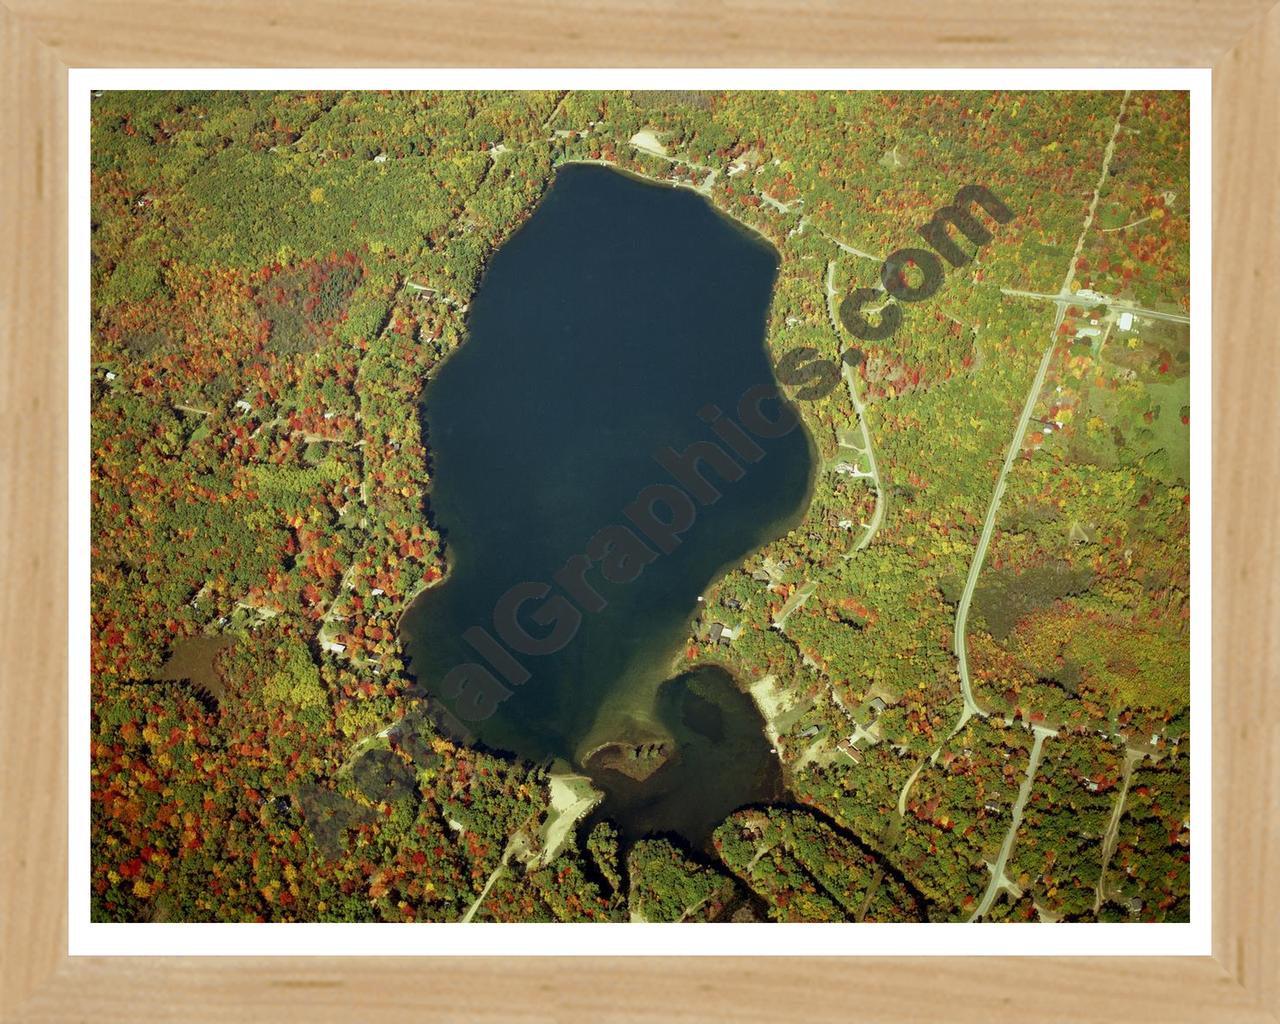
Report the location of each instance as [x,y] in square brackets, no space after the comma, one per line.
[243,406]
[1125,323]
[723,634]
[1135,906]
[991,807]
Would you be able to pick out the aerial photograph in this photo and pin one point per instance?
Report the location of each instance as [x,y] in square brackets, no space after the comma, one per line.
[640,506]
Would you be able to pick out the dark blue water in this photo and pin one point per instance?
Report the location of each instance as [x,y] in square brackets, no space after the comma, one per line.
[602,329]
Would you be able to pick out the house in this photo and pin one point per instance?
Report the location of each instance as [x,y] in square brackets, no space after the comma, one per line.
[810,732]
[1135,905]
[1088,332]
[732,602]
[991,807]
[333,647]
[243,406]
[720,633]
[876,705]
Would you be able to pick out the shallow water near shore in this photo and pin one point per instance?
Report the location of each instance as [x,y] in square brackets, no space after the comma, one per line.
[720,762]
[602,328]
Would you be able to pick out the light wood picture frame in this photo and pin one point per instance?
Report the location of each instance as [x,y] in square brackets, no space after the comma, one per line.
[39,41]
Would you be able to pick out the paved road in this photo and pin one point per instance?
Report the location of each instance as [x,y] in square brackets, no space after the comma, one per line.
[971,707]
[906,787]
[1065,299]
[845,247]
[998,880]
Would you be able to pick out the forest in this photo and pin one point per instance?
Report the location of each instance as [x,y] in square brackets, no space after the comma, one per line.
[276,275]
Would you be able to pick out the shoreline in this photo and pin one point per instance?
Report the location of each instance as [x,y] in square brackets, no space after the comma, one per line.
[707,194]
[638,718]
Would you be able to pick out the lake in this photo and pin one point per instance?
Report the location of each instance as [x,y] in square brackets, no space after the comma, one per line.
[621,320]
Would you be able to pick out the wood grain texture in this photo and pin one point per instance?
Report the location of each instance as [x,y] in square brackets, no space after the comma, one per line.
[647,33]
[1246,550]
[38,40]
[33,524]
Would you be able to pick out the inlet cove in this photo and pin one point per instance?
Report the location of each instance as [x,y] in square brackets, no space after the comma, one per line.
[609,439]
